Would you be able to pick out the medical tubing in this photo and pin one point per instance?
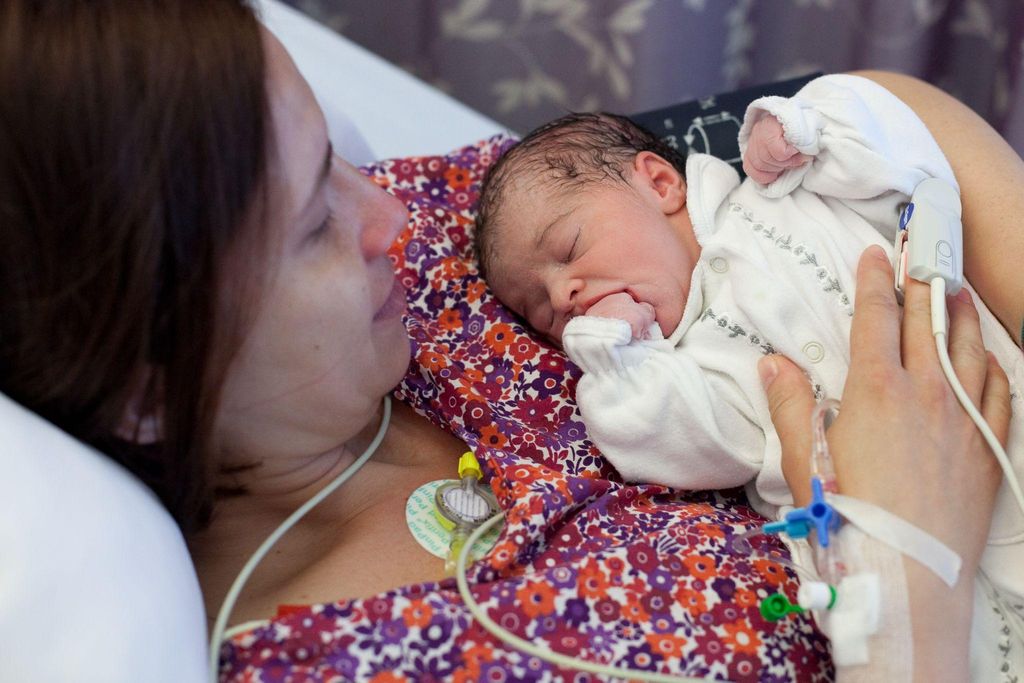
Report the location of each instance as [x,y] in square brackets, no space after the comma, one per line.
[529,648]
[821,459]
[250,566]
[741,541]
[938,301]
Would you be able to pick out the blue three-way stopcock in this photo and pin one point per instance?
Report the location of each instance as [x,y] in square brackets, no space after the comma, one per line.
[819,515]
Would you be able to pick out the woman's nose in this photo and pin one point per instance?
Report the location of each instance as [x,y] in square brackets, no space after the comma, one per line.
[386,218]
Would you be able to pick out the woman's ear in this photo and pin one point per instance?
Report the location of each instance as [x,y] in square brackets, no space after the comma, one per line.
[142,420]
[667,183]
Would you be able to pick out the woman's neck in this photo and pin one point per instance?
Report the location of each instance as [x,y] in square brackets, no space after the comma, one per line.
[412,450]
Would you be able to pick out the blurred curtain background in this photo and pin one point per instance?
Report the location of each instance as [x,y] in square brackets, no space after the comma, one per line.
[523,62]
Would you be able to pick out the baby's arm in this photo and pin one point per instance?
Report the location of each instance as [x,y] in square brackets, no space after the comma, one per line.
[768,153]
[653,412]
[862,141]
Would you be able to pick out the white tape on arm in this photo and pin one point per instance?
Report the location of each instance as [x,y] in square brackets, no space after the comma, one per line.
[900,535]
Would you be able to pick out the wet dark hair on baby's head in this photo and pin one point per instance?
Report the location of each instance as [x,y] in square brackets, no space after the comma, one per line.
[571,152]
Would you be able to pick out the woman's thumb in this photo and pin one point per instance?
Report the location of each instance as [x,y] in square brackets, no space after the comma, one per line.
[790,401]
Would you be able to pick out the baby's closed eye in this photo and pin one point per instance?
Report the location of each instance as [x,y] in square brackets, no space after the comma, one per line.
[571,254]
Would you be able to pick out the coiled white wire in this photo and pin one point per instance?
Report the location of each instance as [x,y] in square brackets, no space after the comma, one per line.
[250,566]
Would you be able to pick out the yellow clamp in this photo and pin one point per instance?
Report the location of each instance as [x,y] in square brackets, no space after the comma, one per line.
[468,466]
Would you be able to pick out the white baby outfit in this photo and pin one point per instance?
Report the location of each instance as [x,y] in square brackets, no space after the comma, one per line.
[776,273]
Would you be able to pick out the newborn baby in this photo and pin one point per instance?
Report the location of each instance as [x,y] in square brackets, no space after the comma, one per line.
[666,281]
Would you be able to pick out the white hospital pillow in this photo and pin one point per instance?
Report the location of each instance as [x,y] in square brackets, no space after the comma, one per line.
[312,47]
[96,584]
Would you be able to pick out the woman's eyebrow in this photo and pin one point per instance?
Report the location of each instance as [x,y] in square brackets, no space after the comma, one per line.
[324,171]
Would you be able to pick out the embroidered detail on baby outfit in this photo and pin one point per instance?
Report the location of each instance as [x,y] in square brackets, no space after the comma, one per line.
[1005,644]
[800,251]
[724,323]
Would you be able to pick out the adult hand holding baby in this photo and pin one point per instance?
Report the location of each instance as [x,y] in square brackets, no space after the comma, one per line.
[903,442]
[621,306]
[768,153]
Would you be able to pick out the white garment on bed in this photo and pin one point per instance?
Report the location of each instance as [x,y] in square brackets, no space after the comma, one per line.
[776,274]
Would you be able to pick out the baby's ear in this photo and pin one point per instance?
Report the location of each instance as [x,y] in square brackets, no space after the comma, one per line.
[661,177]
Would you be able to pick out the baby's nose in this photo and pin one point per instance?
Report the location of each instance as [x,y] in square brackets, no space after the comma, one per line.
[566,296]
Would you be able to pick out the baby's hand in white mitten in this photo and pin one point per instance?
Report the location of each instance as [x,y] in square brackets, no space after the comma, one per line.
[621,306]
[768,154]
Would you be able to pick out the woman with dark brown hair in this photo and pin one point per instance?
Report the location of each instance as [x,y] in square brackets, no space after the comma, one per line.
[195,284]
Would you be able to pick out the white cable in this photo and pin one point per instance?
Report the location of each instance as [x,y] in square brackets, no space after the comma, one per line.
[250,566]
[529,648]
[938,300]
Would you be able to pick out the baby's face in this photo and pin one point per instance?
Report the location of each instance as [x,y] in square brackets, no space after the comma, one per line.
[558,252]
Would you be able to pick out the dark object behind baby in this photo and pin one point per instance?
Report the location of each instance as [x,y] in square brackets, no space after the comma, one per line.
[709,124]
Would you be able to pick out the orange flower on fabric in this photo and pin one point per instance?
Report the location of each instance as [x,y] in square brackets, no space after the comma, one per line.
[492,438]
[592,581]
[710,530]
[666,644]
[474,656]
[450,319]
[453,268]
[431,360]
[475,290]
[458,178]
[388,677]
[472,376]
[745,597]
[692,601]
[741,637]
[499,336]
[502,554]
[700,566]
[468,382]
[536,598]
[418,613]
[771,571]
[633,611]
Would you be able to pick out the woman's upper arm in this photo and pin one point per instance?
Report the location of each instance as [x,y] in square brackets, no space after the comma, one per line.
[991,176]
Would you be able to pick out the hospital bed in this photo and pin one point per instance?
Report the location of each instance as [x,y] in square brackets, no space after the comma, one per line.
[96,584]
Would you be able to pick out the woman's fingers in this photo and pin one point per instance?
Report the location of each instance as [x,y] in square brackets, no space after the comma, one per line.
[995,399]
[917,343]
[966,348]
[875,330]
[790,401]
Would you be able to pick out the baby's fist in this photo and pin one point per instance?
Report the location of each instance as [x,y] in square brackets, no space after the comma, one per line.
[621,306]
[768,154]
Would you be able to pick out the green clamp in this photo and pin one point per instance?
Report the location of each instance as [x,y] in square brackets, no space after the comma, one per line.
[776,606]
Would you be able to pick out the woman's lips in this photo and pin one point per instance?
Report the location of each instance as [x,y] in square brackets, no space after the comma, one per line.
[394,305]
